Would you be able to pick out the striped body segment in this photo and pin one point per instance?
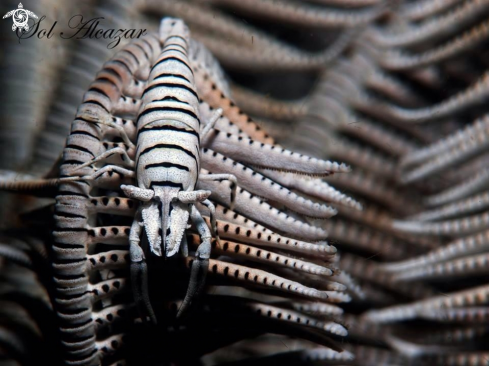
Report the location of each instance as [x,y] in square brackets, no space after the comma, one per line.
[168,141]
[167,164]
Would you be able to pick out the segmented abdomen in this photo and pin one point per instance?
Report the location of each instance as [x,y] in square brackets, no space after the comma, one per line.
[168,123]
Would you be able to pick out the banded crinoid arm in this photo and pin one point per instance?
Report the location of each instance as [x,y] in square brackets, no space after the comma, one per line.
[372,215]
[471,168]
[254,153]
[469,205]
[324,356]
[475,296]
[262,237]
[301,14]
[362,157]
[350,235]
[78,204]
[253,277]
[322,310]
[349,100]
[459,359]
[457,268]
[216,98]
[201,58]
[395,60]
[361,330]
[422,9]
[212,20]
[433,29]
[465,141]
[223,123]
[376,189]
[448,336]
[11,181]
[258,210]
[250,253]
[239,45]
[416,351]
[371,355]
[476,315]
[472,145]
[369,76]
[381,220]
[276,313]
[455,227]
[470,97]
[348,85]
[333,114]
[314,188]
[272,59]
[477,243]
[258,184]
[261,105]
[368,270]
[342,150]
[391,88]
[459,191]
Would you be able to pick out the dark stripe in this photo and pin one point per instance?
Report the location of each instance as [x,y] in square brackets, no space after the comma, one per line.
[68,261]
[142,49]
[170,109]
[161,76]
[133,55]
[149,45]
[68,246]
[173,99]
[174,49]
[65,296]
[107,80]
[113,72]
[170,85]
[165,183]
[176,36]
[80,148]
[167,165]
[100,91]
[70,215]
[168,146]
[173,59]
[97,103]
[170,45]
[69,193]
[84,133]
[72,162]
[169,128]
[123,64]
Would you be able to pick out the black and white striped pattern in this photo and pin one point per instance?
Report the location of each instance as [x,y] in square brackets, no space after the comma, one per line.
[168,141]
